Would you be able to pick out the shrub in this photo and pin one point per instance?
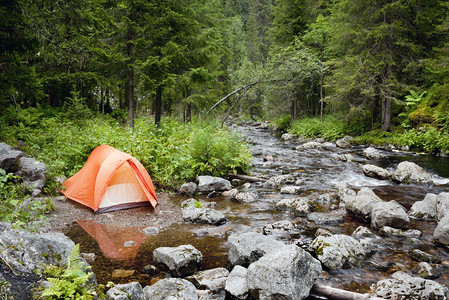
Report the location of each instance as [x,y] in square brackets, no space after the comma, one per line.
[282,123]
[171,152]
[330,129]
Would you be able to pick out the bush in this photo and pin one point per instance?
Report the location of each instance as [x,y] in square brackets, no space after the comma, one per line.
[171,152]
[15,207]
[282,123]
[330,129]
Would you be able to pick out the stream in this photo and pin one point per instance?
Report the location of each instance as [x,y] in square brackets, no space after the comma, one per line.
[320,173]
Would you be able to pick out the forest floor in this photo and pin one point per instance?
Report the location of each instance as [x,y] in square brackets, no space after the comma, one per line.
[66,212]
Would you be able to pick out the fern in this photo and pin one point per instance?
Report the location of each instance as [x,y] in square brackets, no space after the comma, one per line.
[69,282]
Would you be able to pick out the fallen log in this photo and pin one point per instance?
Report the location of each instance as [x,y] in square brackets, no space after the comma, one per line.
[246,177]
[339,294]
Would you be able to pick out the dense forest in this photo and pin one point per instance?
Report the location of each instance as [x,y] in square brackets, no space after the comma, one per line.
[80,73]
[379,64]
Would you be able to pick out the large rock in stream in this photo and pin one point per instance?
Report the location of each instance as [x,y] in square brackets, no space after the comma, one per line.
[389,214]
[433,207]
[361,205]
[27,252]
[193,211]
[376,172]
[172,288]
[132,290]
[339,251]
[288,273]
[409,172]
[182,260]
[210,184]
[441,233]
[410,288]
[247,248]
[236,285]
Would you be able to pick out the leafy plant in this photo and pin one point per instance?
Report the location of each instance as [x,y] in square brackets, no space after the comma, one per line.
[69,282]
[197,204]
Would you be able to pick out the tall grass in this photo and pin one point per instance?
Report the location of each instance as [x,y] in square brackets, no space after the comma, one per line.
[171,152]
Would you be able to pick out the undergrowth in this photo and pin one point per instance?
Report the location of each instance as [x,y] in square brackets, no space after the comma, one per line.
[17,207]
[172,152]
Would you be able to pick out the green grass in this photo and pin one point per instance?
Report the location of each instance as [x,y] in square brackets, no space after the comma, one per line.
[172,152]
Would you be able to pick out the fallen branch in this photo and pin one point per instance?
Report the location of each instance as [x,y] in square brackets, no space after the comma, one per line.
[246,86]
[247,178]
[339,294]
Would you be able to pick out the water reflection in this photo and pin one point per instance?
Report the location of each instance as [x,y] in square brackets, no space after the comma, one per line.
[115,242]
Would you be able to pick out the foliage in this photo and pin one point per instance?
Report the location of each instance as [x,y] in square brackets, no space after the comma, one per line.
[330,129]
[428,139]
[217,152]
[15,204]
[171,152]
[69,282]
[282,122]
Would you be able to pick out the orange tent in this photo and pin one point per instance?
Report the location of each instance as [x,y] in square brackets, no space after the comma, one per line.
[111,180]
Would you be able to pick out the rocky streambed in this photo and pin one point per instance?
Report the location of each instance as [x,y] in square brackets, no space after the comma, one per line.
[315,218]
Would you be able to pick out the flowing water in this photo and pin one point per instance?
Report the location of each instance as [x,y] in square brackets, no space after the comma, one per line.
[320,173]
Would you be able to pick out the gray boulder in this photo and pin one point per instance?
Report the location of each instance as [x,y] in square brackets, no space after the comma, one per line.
[372,153]
[410,288]
[411,233]
[389,214]
[279,180]
[245,197]
[33,174]
[213,280]
[342,143]
[339,251]
[420,255]
[442,205]
[362,232]
[345,157]
[279,228]
[332,217]
[291,189]
[9,157]
[188,188]
[236,284]
[408,172]
[182,260]
[309,145]
[288,273]
[441,233]
[287,137]
[150,230]
[425,270]
[361,205]
[27,252]
[203,215]
[376,172]
[209,184]
[425,209]
[248,247]
[171,289]
[299,206]
[132,290]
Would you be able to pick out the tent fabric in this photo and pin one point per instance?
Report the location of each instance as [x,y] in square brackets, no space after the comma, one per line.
[107,170]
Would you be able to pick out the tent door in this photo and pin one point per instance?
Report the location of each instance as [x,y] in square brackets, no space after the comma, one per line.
[123,189]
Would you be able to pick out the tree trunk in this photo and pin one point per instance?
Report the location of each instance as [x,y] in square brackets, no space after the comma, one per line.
[321,99]
[188,114]
[158,105]
[386,114]
[293,109]
[130,93]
